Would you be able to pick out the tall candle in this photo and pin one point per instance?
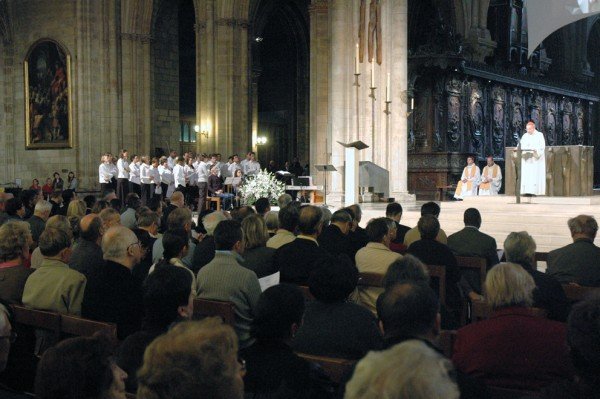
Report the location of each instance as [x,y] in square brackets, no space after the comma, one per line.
[372,72]
[387,89]
[412,103]
[356,63]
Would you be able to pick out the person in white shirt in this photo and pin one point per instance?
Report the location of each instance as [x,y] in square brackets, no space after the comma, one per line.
[469,181]
[105,173]
[166,178]
[163,165]
[172,159]
[202,180]
[123,176]
[114,171]
[491,178]
[179,175]
[252,167]
[134,175]
[245,161]
[155,179]
[146,180]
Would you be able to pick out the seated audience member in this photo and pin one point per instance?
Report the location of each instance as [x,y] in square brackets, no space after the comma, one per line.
[195,359]
[177,201]
[471,242]
[469,181]
[491,178]
[284,200]
[358,235]
[7,338]
[15,209]
[549,294]
[224,279]
[86,257]
[216,188]
[113,294]
[578,262]
[59,222]
[90,201]
[408,268]
[272,222]
[326,219]
[37,222]
[262,206]
[394,211]
[167,300]
[288,222]
[29,199]
[58,207]
[410,370]
[99,206]
[274,370]
[80,368]
[428,208]
[54,286]
[257,257]
[513,348]
[147,232]
[15,240]
[132,202]
[335,239]
[240,213]
[179,218]
[332,326]
[76,208]
[376,257]
[175,243]
[4,197]
[205,250]
[110,217]
[296,260]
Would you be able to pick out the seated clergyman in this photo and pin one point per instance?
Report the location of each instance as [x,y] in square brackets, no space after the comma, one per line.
[471,176]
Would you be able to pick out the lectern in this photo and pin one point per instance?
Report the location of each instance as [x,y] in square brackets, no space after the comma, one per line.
[351,171]
[325,169]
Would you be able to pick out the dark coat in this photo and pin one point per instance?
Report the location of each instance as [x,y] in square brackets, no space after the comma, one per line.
[86,257]
[472,242]
[260,261]
[296,260]
[578,262]
[335,242]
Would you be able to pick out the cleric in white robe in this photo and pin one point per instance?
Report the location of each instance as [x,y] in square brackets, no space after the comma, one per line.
[491,178]
[533,162]
[471,176]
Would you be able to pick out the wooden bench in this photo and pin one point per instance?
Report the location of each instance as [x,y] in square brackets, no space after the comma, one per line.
[469,263]
[510,393]
[335,368]
[576,293]
[80,327]
[439,273]
[209,308]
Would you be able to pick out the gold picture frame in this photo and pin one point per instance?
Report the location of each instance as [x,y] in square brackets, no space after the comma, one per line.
[48,96]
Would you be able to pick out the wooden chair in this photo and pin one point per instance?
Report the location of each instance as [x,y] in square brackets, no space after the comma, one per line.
[80,327]
[335,368]
[446,341]
[469,263]
[510,393]
[370,280]
[306,292]
[439,273]
[209,200]
[576,293]
[209,307]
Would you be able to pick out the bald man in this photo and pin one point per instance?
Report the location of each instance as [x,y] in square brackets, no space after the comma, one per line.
[87,254]
[112,293]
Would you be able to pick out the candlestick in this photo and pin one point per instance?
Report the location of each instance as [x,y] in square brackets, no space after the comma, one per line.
[372,72]
[412,103]
[387,89]
[356,63]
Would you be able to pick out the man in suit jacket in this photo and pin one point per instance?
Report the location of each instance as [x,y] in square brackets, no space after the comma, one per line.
[296,260]
[471,242]
[428,208]
[578,262]
[87,255]
[394,211]
[334,238]
[224,279]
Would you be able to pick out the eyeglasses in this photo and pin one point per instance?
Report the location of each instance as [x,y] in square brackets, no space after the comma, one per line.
[13,337]
[138,243]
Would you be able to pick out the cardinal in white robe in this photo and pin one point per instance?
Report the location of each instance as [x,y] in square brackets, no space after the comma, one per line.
[533,162]
[491,178]
[470,179]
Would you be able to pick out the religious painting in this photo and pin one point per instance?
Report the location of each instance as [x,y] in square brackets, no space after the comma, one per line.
[48,118]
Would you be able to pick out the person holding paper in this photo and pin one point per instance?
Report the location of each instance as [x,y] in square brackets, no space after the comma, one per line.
[491,178]
[533,162]
[469,181]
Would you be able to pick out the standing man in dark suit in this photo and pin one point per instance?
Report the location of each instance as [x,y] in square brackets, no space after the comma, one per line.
[578,262]
[297,259]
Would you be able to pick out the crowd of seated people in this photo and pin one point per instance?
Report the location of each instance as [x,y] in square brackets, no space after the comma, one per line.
[295,280]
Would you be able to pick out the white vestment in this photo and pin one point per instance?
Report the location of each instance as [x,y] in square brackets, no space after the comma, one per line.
[533,165]
[473,176]
[495,175]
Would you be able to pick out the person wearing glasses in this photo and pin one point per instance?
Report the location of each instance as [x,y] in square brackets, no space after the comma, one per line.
[113,294]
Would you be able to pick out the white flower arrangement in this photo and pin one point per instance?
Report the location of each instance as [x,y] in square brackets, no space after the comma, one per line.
[264,184]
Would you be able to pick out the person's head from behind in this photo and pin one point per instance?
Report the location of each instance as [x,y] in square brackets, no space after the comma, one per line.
[80,368]
[200,356]
[7,334]
[42,209]
[520,247]
[177,199]
[148,221]
[309,220]
[55,244]
[262,206]
[240,213]
[61,223]
[15,240]
[284,200]
[272,221]
[110,218]
[429,227]
[15,207]
[288,218]
[410,370]
[175,243]
[378,230]
[583,226]
[212,220]
[356,209]
[394,211]
[180,217]
[90,228]
[132,200]
[168,297]
[99,206]
[255,231]
[279,313]
[333,279]
[342,220]
[430,208]
[120,245]
[408,268]
[229,236]
[76,208]
[472,217]
[508,284]
[583,337]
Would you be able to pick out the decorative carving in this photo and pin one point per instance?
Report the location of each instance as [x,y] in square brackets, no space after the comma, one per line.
[498,129]
[454,85]
[476,121]
[580,126]
[453,122]
[550,126]
[517,124]
[566,127]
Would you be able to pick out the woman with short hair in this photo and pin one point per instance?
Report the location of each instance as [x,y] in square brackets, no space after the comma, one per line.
[257,257]
[15,239]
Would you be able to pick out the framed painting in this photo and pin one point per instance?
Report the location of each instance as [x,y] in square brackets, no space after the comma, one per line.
[48,107]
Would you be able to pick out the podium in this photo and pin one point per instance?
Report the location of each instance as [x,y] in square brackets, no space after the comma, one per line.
[351,171]
[325,169]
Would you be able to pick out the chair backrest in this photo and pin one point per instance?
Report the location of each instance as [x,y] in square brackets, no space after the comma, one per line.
[80,327]
[576,293]
[370,280]
[41,319]
[447,339]
[510,393]
[335,368]
[439,273]
[306,292]
[474,262]
[210,307]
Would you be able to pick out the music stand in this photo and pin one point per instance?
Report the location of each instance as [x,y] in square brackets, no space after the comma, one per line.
[351,175]
[325,169]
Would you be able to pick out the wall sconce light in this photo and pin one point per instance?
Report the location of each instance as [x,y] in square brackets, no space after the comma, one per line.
[202,133]
[261,140]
